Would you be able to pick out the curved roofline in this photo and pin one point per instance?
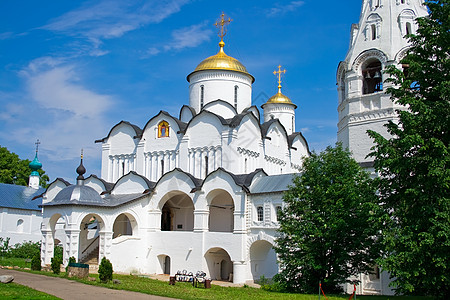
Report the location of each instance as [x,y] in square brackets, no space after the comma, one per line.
[257,110]
[221,119]
[195,181]
[292,137]
[150,184]
[244,185]
[136,129]
[266,125]
[220,101]
[57,179]
[189,108]
[165,113]
[237,121]
[108,185]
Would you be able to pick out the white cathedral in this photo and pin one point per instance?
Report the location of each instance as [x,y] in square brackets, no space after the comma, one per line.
[201,191]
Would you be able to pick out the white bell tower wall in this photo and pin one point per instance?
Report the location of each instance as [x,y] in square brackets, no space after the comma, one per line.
[376,42]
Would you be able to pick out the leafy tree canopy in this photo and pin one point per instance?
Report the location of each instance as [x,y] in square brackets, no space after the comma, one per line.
[14,170]
[414,162]
[328,227]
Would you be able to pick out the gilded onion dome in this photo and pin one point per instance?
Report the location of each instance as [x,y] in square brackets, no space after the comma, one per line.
[279,97]
[221,61]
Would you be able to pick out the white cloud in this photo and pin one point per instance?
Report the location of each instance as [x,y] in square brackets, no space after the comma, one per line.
[113,18]
[56,86]
[58,108]
[280,9]
[187,37]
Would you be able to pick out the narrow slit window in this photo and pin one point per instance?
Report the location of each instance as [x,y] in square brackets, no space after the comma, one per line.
[374,32]
[206,165]
[235,96]
[202,96]
[162,167]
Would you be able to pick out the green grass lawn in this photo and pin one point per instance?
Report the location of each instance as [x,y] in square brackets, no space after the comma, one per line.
[186,291]
[17,291]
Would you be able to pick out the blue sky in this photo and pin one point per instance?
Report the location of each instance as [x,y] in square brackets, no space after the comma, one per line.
[70,70]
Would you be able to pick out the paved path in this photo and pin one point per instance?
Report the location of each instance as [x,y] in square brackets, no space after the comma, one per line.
[69,289]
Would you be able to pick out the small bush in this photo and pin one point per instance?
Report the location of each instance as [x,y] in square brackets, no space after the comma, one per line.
[36,263]
[56,265]
[72,260]
[105,270]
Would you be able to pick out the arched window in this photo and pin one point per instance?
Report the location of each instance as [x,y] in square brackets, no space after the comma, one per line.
[163,129]
[278,212]
[235,96]
[202,96]
[372,78]
[260,213]
[374,31]
[20,225]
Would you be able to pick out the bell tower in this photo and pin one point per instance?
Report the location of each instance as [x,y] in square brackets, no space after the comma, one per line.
[377,41]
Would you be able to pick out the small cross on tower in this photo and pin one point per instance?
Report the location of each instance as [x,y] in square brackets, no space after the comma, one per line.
[221,24]
[37,145]
[278,73]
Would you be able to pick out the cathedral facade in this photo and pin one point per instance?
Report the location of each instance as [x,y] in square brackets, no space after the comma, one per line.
[201,190]
[198,191]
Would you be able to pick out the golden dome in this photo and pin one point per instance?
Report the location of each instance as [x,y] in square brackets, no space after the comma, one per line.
[280,98]
[221,61]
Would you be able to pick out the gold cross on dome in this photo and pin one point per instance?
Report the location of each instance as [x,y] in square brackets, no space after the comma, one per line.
[37,145]
[278,73]
[221,24]
[81,153]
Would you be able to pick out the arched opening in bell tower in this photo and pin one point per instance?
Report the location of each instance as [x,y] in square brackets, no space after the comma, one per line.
[372,78]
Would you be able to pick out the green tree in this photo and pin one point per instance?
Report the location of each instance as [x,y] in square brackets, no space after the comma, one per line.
[14,170]
[414,162]
[329,225]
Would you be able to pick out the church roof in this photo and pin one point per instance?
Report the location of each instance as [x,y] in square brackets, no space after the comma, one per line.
[221,61]
[136,128]
[272,184]
[19,197]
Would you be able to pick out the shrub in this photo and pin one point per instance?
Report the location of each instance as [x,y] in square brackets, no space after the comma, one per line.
[105,270]
[56,265]
[4,247]
[36,263]
[72,260]
[25,250]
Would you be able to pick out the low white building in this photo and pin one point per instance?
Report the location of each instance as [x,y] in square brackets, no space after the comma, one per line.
[20,215]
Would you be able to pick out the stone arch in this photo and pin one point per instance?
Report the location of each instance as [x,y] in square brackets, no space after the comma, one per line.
[221,211]
[219,264]
[90,225]
[263,259]
[368,55]
[177,212]
[124,224]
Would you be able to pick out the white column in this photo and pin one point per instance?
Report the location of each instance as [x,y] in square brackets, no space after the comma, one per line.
[47,247]
[239,271]
[71,245]
[105,244]
[201,220]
